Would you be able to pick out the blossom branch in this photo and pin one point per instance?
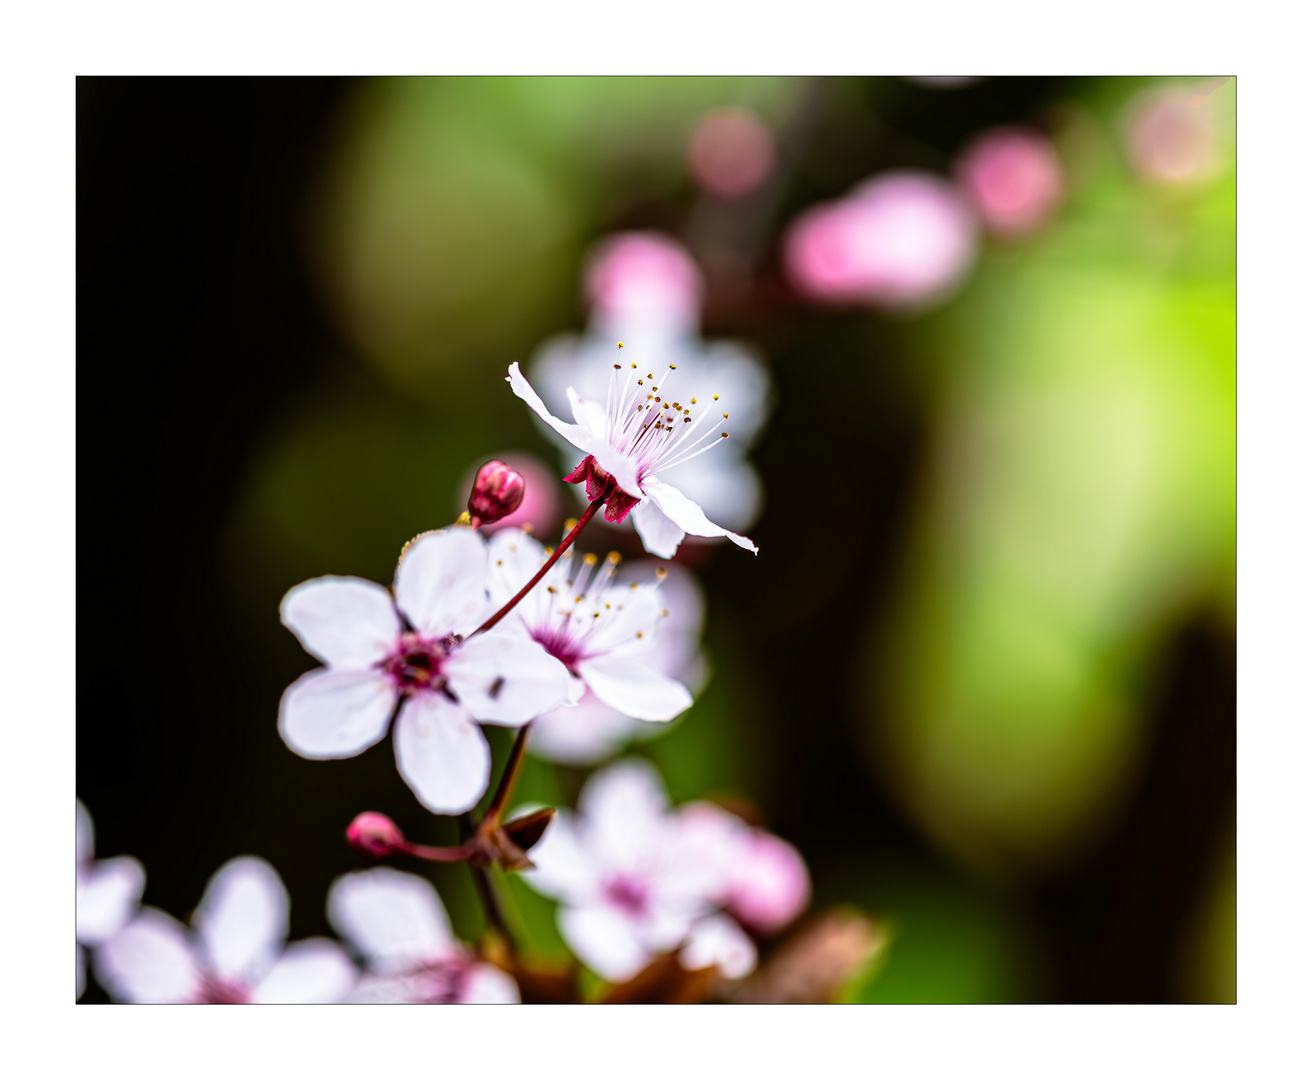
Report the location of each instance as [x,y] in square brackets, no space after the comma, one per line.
[570,537]
[487,897]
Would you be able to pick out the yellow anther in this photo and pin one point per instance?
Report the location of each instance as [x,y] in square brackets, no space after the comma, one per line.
[694,401]
[596,614]
[620,344]
[607,607]
[589,559]
[639,382]
[551,589]
[724,434]
[613,558]
[570,523]
[548,552]
[673,367]
[578,599]
[650,375]
[639,633]
[726,416]
[527,528]
[633,365]
[634,585]
[464,519]
[715,397]
[661,574]
[617,367]
[665,613]
[499,563]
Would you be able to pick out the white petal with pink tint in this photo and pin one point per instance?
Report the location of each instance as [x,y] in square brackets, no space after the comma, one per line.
[441,754]
[635,688]
[504,677]
[658,533]
[489,985]
[346,622]
[440,582]
[395,919]
[687,515]
[242,919]
[718,941]
[624,808]
[604,940]
[149,961]
[562,868]
[108,893]
[335,714]
[771,885]
[311,972]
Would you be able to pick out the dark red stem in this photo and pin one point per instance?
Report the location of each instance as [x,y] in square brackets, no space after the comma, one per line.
[508,776]
[570,537]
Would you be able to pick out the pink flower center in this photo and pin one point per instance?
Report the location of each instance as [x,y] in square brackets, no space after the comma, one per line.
[443,981]
[217,991]
[628,894]
[416,662]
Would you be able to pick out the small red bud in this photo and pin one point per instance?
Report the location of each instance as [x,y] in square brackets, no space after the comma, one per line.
[376,835]
[498,491]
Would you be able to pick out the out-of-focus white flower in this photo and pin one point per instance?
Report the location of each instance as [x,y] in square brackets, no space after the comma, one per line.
[627,891]
[397,922]
[630,441]
[645,290]
[602,632]
[1171,137]
[233,954]
[108,893]
[1014,178]
[409,653]
[591,730]
[903,240]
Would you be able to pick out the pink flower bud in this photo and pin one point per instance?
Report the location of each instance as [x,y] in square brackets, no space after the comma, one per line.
[376,835]
[771,885]
[498,491]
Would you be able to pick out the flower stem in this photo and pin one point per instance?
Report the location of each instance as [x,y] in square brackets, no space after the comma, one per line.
[508,778]
[487,897]
[570,537]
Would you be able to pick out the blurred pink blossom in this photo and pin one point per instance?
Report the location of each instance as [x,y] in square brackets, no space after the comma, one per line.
[767,885]
[639,280]
[903,240]
[1171,137]
[1014,177]
[731,151]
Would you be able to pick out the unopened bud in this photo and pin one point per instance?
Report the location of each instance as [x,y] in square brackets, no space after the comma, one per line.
[527,830]
[376,835]
[498,491]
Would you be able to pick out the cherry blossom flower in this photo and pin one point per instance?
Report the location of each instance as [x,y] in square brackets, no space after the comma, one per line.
[629,442]
[1014,178]
[903,240]
[397,922]
[1171,136]
[408,657]
[233,953]
[766,884]
[628,889]
[645,290]
[591,730]
[602,632]
[108,893]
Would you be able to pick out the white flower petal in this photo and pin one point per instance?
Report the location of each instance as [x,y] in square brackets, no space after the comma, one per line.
[635,688]
[149,961]
[489,985]
[315,971]
[108,895]
[658,533]
[589,415]
[441,582]
[572,433]
[346,622]
[86,834]
[442,755]
[562,869]
[242,919]
[335,714]
[582,734]
[394,919]
[624,811]
[505,677]
[604,940]
[718,941]
[687,515]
